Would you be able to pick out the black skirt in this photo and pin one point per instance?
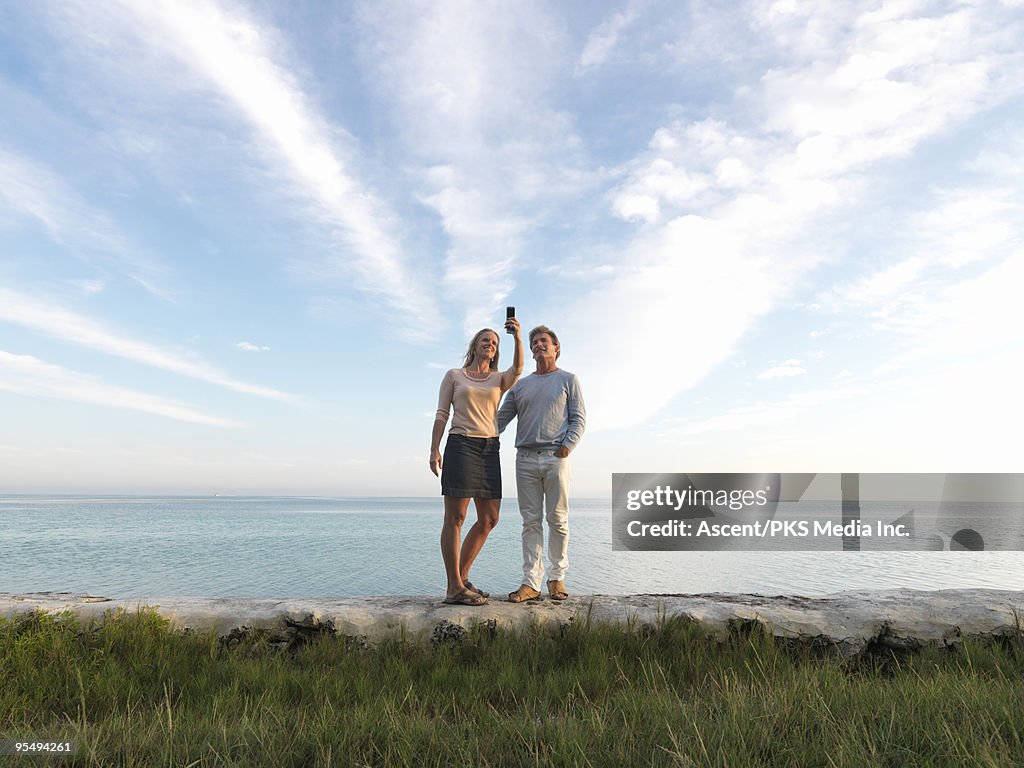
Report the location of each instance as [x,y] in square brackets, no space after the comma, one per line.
[471,468]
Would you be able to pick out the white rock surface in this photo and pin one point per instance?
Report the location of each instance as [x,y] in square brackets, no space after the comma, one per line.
[851,621]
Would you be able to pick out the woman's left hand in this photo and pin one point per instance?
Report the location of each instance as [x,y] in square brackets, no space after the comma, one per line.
[512,326]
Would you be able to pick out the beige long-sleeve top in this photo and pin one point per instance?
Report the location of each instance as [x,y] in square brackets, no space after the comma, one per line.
[474,403]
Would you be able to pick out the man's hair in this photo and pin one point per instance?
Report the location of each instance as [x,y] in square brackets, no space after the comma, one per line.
[471,352]
[549,332]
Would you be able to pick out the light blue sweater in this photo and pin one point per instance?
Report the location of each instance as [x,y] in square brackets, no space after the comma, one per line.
[550,410]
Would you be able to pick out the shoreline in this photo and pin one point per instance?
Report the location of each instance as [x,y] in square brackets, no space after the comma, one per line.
[852,622]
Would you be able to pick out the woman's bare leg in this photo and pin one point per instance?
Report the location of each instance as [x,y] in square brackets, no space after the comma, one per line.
[454,516]
[486,519]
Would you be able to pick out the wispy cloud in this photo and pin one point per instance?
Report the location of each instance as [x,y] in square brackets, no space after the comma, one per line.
[243,60]
[760,415]
[784,370]
[30,376]
[74,328]
[89,287]
[602,40]
[31,190]
[247,346]
[968,225]
[731,212]
[470,86]
[960,318]
[953,293]
[951,412]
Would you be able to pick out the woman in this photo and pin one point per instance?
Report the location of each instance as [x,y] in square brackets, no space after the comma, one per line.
[470,467]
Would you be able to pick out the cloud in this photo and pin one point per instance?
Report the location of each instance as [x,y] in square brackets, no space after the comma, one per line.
[967,225]
[889,283]
[731,212]
[964,245]
[244,61]
[246,346]
[1003,157]
[671,308]
[784,370]
[881,85]
[960,319]
[758,416]
[952,413]
[31,190]
[30,376]
[603,39]
[89,287]
[471,87]
[73,328]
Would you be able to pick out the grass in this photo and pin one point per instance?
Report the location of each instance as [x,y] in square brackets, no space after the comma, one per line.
[132,692]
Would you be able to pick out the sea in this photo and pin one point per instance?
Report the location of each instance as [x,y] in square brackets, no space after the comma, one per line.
[260,546]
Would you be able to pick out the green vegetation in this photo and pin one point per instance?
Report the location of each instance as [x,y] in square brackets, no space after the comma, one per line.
[132,692]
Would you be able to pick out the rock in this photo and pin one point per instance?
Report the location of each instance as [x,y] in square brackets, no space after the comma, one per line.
[303,630]
[446,632]
[849,622]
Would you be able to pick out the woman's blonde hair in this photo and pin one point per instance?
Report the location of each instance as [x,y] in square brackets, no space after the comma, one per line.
[471,352]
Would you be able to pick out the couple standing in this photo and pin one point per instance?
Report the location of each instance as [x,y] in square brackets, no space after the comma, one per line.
[551,417]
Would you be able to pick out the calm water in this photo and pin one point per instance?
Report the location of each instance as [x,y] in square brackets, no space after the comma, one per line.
[319,547]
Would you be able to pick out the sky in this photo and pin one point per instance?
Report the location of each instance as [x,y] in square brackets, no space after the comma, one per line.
[241,242]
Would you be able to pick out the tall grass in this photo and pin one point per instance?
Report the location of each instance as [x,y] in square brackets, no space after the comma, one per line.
[133,693]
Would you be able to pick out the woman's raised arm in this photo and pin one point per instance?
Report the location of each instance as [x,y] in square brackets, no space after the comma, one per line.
[511,376]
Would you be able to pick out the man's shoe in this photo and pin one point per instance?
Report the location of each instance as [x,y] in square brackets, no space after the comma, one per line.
[557,590]
[525,594]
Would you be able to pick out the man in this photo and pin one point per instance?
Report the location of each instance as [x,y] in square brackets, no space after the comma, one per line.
[552,417]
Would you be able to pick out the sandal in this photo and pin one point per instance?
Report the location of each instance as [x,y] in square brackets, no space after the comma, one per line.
[557,590]
[525,594]
[471,588]
[465,597]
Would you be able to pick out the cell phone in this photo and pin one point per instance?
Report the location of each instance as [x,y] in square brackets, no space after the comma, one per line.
[510,312]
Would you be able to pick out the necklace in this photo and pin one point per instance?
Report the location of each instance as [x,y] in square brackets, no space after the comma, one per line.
[476,378]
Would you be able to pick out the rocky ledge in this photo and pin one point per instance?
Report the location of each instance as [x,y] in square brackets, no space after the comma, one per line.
[852,622]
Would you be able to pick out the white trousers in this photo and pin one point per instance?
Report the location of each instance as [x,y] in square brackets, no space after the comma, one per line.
[542,484]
